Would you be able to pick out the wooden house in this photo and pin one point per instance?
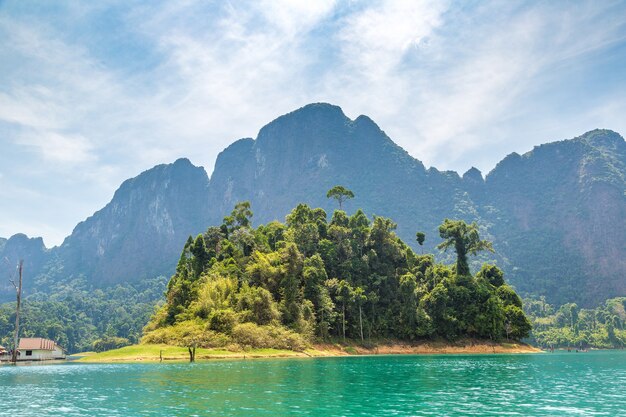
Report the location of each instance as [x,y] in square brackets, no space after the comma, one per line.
[39,349]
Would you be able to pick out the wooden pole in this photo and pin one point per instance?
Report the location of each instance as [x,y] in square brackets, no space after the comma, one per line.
[343,321]
[361,323]
[18,288]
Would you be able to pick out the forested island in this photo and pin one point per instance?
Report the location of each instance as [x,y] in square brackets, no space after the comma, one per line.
[284,285]
[309,280]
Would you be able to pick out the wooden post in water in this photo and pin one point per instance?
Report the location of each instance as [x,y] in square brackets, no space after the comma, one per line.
[18,289]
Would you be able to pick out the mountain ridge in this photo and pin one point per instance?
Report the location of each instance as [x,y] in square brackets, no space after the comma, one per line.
[554,196]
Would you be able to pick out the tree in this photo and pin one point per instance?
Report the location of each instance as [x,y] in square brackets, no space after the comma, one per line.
[420,237]
[200,256]
[291,302]
[314,276]
[239,217]
[465,240]
[345,294]
[340,193]
[492,274]
[516,325]
[408,307]
[271,285]
[256,304]
[360,298]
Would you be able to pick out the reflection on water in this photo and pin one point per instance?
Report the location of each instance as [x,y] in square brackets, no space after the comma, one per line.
[544,384]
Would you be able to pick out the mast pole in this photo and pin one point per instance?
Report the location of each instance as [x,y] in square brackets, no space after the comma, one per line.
[18,289]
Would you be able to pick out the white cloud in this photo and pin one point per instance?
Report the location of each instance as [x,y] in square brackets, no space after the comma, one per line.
[292,17]
[451,83]
[375,40]
[56,147]
[28,108]
[480,75]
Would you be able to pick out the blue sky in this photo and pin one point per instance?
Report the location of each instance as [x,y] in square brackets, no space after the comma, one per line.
[92,93]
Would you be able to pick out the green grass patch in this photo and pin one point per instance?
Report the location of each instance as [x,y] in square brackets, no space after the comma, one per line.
[152,353]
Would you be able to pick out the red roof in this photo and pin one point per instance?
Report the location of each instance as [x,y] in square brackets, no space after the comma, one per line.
[36,343]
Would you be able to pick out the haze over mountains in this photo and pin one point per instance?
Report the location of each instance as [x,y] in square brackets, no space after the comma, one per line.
[556,214]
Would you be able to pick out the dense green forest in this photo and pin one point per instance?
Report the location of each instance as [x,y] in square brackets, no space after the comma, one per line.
[570,326]
[284,285]
[81,318]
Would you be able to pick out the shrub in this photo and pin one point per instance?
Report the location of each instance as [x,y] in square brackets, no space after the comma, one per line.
[256,304]
[215,293]
[187,333]
[277,337]
[108,343]
[222,321]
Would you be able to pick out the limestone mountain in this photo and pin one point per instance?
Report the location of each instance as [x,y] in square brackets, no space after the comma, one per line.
[555,214]
[20,247]
[559,216]
[139,233]
[300,156]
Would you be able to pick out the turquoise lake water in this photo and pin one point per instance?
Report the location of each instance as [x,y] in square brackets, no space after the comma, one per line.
[558,384]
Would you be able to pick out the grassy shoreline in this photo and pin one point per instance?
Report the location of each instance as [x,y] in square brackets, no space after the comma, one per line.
[154,353]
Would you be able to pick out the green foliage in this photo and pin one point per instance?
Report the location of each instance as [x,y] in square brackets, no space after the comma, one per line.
[239,217]
[187,333]
[313,279]
[465,240]
[77,315]
[340,193]
[492,274]
[569,326]
[110,342]
[420,237]
[250,335]
[223,321]
[257,305]
[214,293]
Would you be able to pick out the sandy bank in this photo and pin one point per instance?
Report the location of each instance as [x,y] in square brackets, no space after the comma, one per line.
[164,353]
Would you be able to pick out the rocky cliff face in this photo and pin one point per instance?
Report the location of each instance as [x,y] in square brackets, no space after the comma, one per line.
[140,232]
[137,235]
[556,214]
[300,156]
[20,247]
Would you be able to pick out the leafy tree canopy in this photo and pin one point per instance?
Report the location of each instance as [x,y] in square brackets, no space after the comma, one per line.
[340,193]
[310,278]
[464,239]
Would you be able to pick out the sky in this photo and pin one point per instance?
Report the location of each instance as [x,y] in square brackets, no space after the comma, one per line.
[93,93]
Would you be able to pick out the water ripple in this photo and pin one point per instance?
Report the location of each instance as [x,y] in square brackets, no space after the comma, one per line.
[560,384]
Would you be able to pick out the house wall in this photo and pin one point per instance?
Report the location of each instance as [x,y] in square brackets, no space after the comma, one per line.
[57,353]
[41,355]
[37,355]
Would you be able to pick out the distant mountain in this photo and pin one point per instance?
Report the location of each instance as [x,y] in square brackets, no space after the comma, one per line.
[556,214]
[140,232]
[559,216]
[18,247]
[137,235]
